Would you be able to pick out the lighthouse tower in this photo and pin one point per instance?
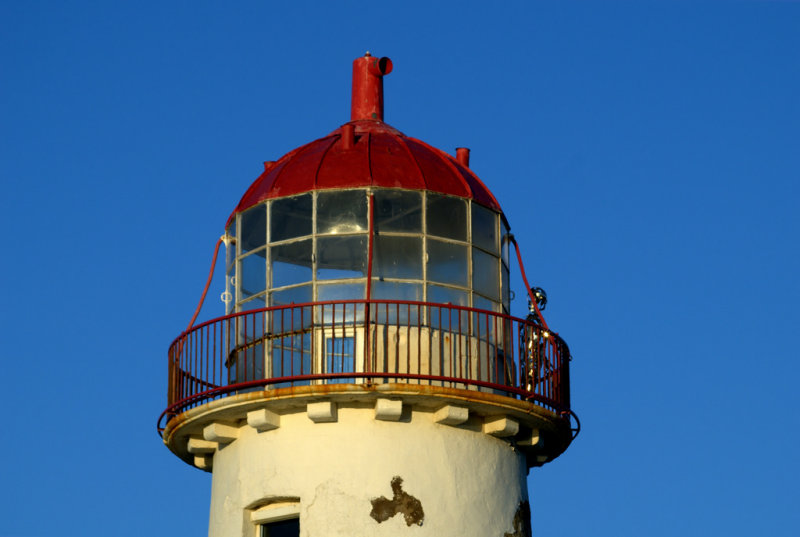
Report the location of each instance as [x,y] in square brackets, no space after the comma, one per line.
[367,377]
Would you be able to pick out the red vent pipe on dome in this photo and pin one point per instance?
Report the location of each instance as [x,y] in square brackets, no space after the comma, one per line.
[368,73]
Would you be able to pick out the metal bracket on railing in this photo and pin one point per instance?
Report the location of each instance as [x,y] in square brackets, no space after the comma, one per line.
[575,430]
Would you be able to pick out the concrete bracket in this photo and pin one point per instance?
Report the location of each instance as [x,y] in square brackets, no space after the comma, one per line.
[199,446]
[501,426]
[263,420]
[203,462]
[220,432]
[322,412]
[388,409]
[534,440]
[451,415]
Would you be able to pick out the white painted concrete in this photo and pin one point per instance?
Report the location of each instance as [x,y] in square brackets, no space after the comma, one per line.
[388,409]
[263,420]
[199,445]
[322,412]
[451,415]
[220,432]
[501,427]
[468,483]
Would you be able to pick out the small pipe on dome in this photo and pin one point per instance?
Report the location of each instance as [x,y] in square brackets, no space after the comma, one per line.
[268,164]
[348,136]
[367,99]
[462,156]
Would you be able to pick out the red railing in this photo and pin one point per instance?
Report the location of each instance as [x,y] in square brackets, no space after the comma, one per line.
[368,342]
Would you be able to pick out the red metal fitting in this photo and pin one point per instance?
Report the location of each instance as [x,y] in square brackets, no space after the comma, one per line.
[462,156]
[368,73]
[348,136]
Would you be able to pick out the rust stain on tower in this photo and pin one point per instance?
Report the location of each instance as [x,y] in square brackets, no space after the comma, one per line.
[401,503]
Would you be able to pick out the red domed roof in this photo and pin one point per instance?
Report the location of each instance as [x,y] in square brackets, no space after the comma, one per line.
[366,152]
[379,157]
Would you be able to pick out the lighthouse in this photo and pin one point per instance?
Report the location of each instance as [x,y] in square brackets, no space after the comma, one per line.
[367,376]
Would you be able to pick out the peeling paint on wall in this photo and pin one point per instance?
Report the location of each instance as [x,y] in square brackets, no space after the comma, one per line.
[522,521]
[383,508]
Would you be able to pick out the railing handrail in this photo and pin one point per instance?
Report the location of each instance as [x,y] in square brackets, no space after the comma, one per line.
[446,305]
[206,362]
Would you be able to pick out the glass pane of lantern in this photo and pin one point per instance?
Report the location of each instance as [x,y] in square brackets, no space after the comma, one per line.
[251,326]
[484,228]
[293,295]
[485,274]
[455,320]
[230,246]
[398,257]
[483,324]
[342,257]
[505,290]
[291,263]
[254,228]
[383,290]
[291,356]
[447,263]
[252,304]
[446,295]
[290,217]
[285,320]
[506,245]
[252,274]
[398,210]
[341,291]
[393,313]
[446,217]
[342,212]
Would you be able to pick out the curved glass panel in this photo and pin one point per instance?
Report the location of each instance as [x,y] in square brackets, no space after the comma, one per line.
[253,274]
[341,291]
[253,228]
[505,246]
[446,318]
[484,229]
[485,277]
[397,257]
[446,295]
[291,263]
[484,325]
[398,210]
[448,263]
[253,304]
[293,295]
[446,217]
[394,313]
[286,319]
[290,217]
[341,257]
[342,212]
[383,290]
[506,291]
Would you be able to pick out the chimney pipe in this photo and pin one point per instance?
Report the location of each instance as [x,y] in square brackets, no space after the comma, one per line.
[368,73]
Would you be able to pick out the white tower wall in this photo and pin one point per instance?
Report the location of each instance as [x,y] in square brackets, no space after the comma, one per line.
[468,483]
[384,459]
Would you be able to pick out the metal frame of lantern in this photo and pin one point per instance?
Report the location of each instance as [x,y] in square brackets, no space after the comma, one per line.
[446,266]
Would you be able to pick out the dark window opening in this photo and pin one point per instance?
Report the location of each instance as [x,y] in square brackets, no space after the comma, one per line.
[282,528]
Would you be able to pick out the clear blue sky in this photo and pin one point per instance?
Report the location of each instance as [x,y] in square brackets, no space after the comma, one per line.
[646,155]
